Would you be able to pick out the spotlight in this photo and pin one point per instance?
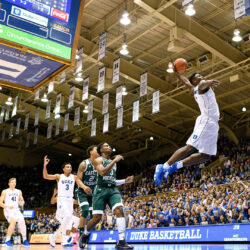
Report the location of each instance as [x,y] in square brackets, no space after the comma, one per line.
[124,50]
[79,79]
[69,154]
[244,109]
[9,101]
[44,98]
[151,138]
[125,20]
[113,149]
[85,110]
[190,11]
[170,68]
[237,37]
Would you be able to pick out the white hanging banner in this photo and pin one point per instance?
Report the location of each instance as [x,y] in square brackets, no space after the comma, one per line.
[156,102]
[186,2]
[35,136]
[90,109]
[119,123]
[11,130]
[3,135]
[20,144]
[27,144]
[79,61]
[7,114]
[85,91]
[57,127]
[63,77]
[51,87]
[105,103]
[48,107]
[118,99]
[14,110]
[37,95]
[26,122]
[135,117]
[239,8]
[143,84]
[106,123]
[71,97]
[77,116]
[102,46]
[58,103]
[93,127]
[18,125]
[116,71]
[66,122]
[101,79]
[2,114]
[49,130]
[37,116]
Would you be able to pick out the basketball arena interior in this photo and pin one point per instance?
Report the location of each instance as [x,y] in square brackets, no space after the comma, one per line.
[124,124]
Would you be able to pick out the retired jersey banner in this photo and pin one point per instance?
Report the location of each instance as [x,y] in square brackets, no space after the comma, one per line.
[156,102]
[85,91]
[143,84]
[49,130]
[239,8]
[102,46]
[37,95]
[63,77]
[26,122]
[2,114]
[47,113]
[14,110]
[106,123]
[118,99]
[119,123]
[105,103]
[93,127]
[37,117]
[35,136]
[79,61]
[18,125]
[66,122]
[57,126]
[116,71]
[90,109]
[7,114]
[50,87]
[27,144]
[58,103]
[77,116]
[71,97]
[101,79]
[136,105]
[11,130]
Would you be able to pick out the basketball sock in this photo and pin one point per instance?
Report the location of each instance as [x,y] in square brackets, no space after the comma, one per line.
[22,229]
[179,164]
[121,226]
[7,238]
[166,166]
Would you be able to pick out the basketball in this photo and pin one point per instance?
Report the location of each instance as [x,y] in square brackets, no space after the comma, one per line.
[180,65]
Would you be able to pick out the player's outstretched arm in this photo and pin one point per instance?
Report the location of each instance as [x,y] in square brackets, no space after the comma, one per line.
[128,180]
[21,199]
[2,199]
[98,165]
[184,80]
[81,169]
[207,83]
[47,176]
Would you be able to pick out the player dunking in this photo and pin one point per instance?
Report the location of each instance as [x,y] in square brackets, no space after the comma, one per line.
[64,212]
[106,193]
[205,133]
[10,200]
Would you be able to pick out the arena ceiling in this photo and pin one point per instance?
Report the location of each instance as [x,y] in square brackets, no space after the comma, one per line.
[155,25]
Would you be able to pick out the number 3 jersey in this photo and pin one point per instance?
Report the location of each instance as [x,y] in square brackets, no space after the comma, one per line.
[66,186]
[12,198]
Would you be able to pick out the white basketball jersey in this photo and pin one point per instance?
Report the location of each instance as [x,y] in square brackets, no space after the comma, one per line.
[66,186]
[207,103]
[12,198]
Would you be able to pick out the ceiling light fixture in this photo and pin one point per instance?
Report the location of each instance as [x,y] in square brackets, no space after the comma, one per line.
[124,91]
[190,11]
[151,138]
[113,149]
[79,79]
[69,154]
[44,98]
[124,50]
[244,109]
[57,116]
[170,68]
[237,37]
[125,20]
[9,101]
[85,110]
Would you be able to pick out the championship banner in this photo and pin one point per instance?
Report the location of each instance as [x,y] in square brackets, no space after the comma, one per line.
[105,103]
[90,109]
[11,130]
[18,125]
[119,123]
[47,113]
[186,2]
[35,136]
[7,114]
[37,95]
[49,130]
[116,71]
[135,117]
[77,116]
[20,144]
[79,61]
[57,126]
[26,122]
[118,99]
[93,127]
[3,135]
[105,123]
[66,122]
[27,144]
[156,102]
[63,77]
[143,84]
[58,103]
[2,114]
[14,110]
[85,91]
[71,97]
[37,117]
[240,8]
[101,79]
[50,87]
[102,46]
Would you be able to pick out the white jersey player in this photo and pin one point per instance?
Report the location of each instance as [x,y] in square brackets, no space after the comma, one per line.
[64,212]
[10,201]
[205,133]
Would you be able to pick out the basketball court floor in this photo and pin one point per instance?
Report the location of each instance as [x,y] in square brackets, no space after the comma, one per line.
[145,247]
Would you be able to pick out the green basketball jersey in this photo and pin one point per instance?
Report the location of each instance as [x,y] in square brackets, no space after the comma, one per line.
[89,177]
[110,177]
